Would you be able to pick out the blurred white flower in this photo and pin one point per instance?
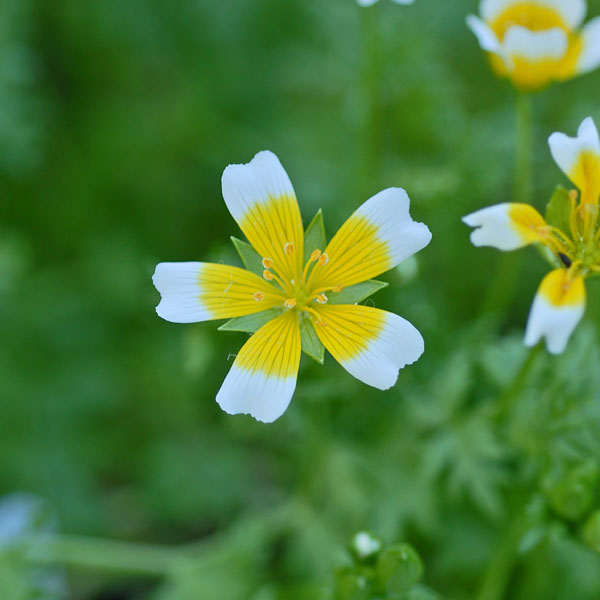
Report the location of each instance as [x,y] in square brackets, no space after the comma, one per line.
[371,2]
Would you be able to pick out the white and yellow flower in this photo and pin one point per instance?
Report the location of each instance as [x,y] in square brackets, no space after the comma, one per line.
[570,232]
[298,288]
[536,42]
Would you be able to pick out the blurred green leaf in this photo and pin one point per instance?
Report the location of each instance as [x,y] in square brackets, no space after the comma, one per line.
[558,210]
[311,345]
[356,293]
[250,258]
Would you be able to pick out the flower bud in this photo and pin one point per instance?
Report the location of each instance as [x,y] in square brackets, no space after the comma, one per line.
[351,584]
[399,567]
[365,546]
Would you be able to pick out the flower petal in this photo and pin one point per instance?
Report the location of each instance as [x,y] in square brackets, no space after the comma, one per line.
[366,2]
[485,35]
[556,310]
[195,291]
[260,197]
[262,379]
[572,12]
[379,235]
[589,58]
[579,158]
[371,344]
[535,46]
[506,226]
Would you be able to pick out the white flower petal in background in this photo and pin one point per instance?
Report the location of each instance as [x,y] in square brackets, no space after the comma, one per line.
[505,226]
[520,42]
[572,12]
[556,310]
[371,2]
[589,59]
[486,37]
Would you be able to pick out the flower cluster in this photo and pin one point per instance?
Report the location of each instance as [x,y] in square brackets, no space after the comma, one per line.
[571,233]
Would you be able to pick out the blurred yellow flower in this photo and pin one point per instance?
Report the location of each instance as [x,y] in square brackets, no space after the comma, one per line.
[536,42]
[570,232]
[371,344]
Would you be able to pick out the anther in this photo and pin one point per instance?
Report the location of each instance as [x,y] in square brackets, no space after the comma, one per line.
[337,288]
[315,255]
[573,195]
[267,263]
[268,275]
[323,259]
[289,248]
[290,302]
[258,296]
[322,322]
[321,299]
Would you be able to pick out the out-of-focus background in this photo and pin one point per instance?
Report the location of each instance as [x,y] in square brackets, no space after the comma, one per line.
[116,122]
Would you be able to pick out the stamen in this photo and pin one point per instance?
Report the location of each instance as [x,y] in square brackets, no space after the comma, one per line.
[323,259]
[337,288]
[315,255]
[267,263]
[268,275]
[322,322]
[258,296]
[321,299]
[289,248]
[290,302]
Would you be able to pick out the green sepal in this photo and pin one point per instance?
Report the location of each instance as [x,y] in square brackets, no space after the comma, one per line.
[311,344]
[356,293]
[314,236]
[251,323]
[250,258]
[558,211]
[549,256]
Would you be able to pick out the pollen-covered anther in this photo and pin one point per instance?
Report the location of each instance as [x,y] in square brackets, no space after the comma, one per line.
[337,288]
[289,248]
[321,299]
[323,259]
[573,194]
[258,296]
[268,275]
[322,322]
[315,255]
[290,302]
[267,263]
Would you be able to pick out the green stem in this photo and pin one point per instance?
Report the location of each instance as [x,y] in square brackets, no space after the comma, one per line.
[105,555]
[372,130]
[511,393]
[497,576]
[501,291]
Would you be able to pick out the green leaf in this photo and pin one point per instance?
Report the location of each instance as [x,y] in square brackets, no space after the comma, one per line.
[250,258]
[356,293]
[314,236]
[311,345]
[558,210]
[251,323]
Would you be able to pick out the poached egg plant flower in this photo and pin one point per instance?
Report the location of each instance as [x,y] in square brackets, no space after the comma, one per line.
[536,42]
[570,234]
[306,295]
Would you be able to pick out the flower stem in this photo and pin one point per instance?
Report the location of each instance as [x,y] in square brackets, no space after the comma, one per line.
[105,555]
[511,393]
[372,132]
[501,292]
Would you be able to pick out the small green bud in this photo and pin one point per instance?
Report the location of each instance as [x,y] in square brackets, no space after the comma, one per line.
[571,495]
[399,568]
[365,546]
[351,584]
[591,531]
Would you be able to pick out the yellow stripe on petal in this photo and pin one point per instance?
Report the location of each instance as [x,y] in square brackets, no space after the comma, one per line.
[371,344]
[556,310]
[378,236]
[262,379]
[559,289]
[194,291]
[579,158]
[527,222]
[261,199]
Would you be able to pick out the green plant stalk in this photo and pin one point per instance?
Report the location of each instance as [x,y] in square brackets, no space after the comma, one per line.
[497,575]
[501,291]
[105,555]
[370,93]
[511,393]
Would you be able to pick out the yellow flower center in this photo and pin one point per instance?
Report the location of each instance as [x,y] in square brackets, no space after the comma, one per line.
[301,295]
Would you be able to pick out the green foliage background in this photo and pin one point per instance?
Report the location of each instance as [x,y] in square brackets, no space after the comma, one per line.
[116,122]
